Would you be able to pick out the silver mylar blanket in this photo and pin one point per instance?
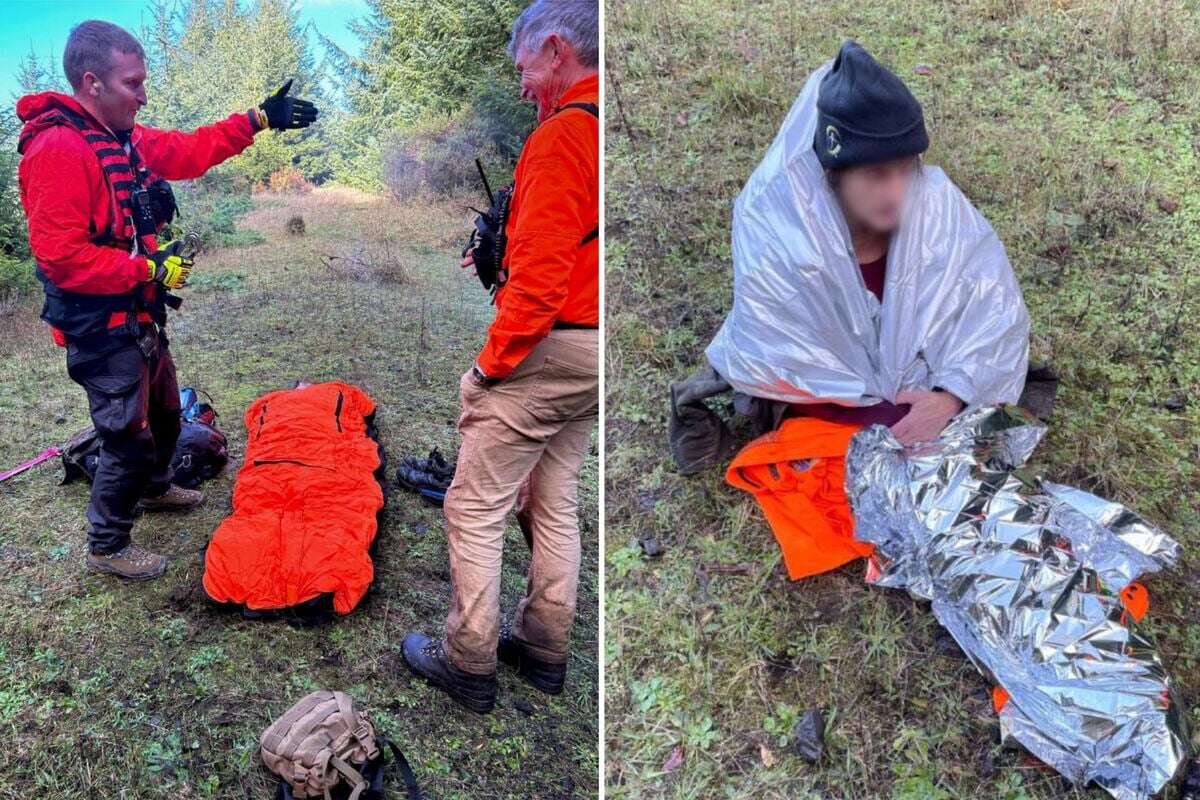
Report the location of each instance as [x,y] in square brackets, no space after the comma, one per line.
[1025,574]
[804,328]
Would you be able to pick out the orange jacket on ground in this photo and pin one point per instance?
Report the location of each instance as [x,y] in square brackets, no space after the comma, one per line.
[555,204]
[304,506]
[797,474]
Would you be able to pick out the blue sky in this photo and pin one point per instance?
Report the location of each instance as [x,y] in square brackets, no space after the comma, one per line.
[43,25]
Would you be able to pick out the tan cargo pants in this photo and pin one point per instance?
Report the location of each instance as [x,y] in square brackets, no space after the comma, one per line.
[528,435]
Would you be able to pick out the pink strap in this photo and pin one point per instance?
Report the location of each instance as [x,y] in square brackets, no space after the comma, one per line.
[33,462]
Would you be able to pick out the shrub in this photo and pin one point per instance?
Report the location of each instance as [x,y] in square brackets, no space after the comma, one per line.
[381,263]
[14,237]
[17,282]
[211,208]
[437,157]
[289,179]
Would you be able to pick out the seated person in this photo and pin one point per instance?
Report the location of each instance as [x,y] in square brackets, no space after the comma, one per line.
[867,288]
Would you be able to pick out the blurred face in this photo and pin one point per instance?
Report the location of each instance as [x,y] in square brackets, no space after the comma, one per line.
[116,98]
[872,196]
[541,71]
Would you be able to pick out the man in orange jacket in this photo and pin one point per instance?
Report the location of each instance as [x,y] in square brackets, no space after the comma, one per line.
[531,399]
[93,186]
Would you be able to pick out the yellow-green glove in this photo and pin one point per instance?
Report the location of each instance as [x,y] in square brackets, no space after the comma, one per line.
[169,268]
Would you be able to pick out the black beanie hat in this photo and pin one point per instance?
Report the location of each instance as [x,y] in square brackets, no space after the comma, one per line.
[865,114]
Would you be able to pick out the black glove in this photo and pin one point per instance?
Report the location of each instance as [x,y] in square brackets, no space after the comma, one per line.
[283,112]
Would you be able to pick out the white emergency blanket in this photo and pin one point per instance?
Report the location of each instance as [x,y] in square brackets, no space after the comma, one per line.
[804,328]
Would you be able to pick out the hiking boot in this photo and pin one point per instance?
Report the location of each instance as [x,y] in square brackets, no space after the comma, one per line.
[427,658]
[130,562]
[429,477]
[411,476]
[544,676]
[175,498]
[432,472]
[436,464]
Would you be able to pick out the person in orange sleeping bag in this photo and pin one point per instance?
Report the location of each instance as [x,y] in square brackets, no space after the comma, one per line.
[305,504]
[797,475]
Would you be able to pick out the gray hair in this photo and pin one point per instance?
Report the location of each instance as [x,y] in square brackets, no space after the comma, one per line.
[90,47]
[576,21]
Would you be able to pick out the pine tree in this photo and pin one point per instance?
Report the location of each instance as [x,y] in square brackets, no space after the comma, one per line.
[37,74]
[425,61]
[209,58]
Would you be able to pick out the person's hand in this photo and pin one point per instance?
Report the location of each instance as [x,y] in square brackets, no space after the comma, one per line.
[283,113]
[468,260]
[169,268]
[479,377]
[927,417]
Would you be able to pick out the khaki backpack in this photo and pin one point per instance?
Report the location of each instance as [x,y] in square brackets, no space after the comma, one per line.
[323,742]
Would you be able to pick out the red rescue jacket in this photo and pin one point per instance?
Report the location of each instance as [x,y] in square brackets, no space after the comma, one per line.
[69,204]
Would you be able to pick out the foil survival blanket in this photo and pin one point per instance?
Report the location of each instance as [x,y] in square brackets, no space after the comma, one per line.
[1026,575]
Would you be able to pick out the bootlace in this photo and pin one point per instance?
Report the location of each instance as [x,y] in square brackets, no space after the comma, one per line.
[432,648]
[133,554]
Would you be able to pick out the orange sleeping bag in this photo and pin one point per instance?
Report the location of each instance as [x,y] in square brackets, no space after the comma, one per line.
[305,504]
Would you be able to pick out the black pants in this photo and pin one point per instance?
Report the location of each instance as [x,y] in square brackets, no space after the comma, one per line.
[134,402]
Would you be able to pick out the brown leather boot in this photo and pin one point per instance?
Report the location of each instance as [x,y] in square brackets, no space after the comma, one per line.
[175,498]
[130,562]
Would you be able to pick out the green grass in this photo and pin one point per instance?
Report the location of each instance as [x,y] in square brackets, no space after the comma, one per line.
[110,689]
[1073,127]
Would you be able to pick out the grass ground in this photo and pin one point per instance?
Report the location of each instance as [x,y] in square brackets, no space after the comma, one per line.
[145,691]
[1074,127]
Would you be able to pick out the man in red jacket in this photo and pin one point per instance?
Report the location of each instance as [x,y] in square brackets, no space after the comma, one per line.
[93,185]
[531,400]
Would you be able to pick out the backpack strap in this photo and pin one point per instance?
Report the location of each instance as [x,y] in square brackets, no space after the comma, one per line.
[356,726]
[273,740]
[410,780]
[354,776]
[592,109]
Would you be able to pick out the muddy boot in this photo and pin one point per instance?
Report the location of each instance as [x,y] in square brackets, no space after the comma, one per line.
[130,562]
[175,498]
[427,658]
[544,676]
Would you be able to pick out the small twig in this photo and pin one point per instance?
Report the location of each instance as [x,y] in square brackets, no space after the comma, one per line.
[615,85]
[422,346]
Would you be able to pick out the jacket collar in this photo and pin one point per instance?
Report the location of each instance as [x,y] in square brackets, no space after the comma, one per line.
[585,90]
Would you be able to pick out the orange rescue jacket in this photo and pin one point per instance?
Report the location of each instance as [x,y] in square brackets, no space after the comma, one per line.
[798,475]
[555,205]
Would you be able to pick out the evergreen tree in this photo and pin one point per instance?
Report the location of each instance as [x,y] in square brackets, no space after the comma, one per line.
[37,74]
[209,58]
[426,64]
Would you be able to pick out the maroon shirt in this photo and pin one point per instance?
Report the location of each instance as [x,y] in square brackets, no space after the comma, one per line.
[873,275]
[883,412]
